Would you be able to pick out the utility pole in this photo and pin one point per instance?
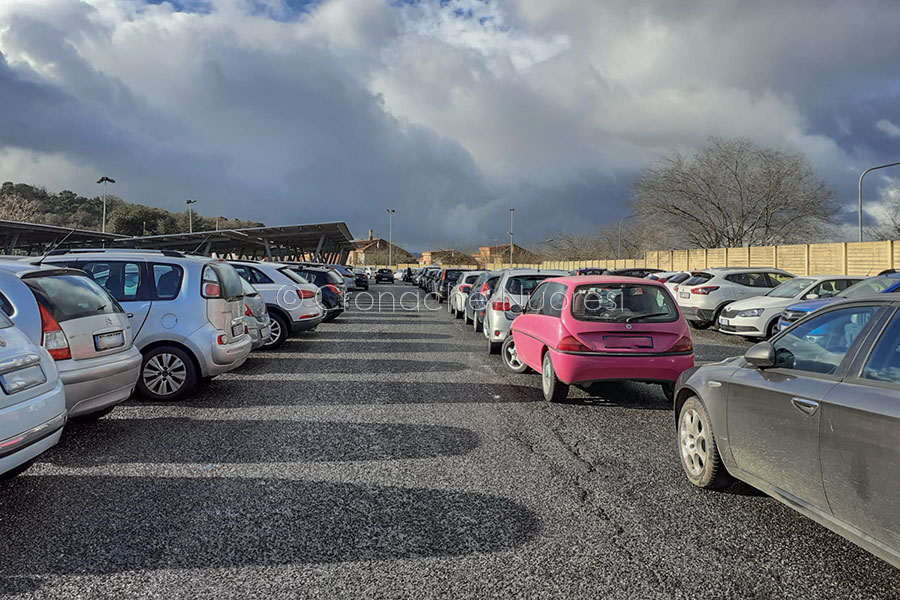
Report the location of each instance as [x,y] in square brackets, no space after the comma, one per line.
[859,191]
[390,212]
[511,211]
[190,215]
[104,180]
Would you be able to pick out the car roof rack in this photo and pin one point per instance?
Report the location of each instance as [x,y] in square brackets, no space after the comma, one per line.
[173,253]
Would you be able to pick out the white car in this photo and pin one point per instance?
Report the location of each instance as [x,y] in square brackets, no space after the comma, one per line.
[758,317]
[456,303]
[706,293]
[32,400]
[671,279]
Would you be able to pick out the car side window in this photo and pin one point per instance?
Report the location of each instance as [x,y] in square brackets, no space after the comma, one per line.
[536,300]
[820,344]
[883,363]
[554,299]
[826,289]
[167,281]
[121,279]
[778,278]
[6,306]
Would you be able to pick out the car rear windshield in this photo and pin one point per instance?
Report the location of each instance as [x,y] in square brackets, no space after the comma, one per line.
[293,275]
[452,275]
[229,280]
[678,278]
[524,284]
[335,277]
[698,279]
[868,287]
[791,288]
[623,302]
[248,289]
[68,297]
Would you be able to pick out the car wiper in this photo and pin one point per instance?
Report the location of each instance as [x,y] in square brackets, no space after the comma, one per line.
[650,316]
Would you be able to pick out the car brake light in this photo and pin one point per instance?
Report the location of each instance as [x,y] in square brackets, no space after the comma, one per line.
[246,330]
[683,344]
[53,339]
[570,344]
[504,306]
[211,290]
[703,291]
[222,340]
[465,287]
[333,288]
[304,294]
[247,310]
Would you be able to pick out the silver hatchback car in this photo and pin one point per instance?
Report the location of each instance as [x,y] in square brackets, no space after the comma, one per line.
[187,313]
[81,326]
[256,317]
[811,417]
[509,296]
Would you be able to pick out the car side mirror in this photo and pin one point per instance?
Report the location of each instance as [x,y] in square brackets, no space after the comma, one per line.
[811,297]
[761,355]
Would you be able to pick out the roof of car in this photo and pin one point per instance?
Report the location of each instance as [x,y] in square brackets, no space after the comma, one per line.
[19,266]
[132,253]
[591,279]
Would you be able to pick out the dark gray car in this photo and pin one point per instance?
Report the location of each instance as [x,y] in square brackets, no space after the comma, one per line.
[811,417]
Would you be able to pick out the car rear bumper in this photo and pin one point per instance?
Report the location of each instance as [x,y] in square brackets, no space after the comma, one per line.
[307,323]
[104,382]
[695,313]
[572,368]
[227,357]
[30,427]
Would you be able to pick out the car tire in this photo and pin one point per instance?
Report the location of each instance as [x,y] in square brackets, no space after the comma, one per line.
[772,329]
[697,448]
[477,325]
[493,347]
[16,471]
[179,378]
[279,334]
[668,390]
[510,357]
[554,389]
[468,321]
[94,416]
[700,324]
[459,314]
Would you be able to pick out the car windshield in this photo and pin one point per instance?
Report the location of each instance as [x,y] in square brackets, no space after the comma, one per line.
[791,287]
[868,287]
[68,297]
[524,284]
[622,302]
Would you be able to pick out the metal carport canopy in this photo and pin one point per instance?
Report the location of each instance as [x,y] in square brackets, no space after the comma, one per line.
[35,238]
[328,241]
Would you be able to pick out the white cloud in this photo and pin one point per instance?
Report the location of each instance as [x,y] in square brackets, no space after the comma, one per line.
[888,128]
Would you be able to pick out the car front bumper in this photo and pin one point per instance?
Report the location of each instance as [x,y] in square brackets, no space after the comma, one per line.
[743,326]
[97,383]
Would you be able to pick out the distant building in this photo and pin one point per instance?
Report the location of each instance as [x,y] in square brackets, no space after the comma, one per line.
[375,251]
[500,254]
[445,257]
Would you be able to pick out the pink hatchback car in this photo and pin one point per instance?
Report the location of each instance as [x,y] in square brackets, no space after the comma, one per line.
[578,330]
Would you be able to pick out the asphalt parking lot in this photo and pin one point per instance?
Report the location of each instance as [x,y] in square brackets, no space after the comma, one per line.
[387,455]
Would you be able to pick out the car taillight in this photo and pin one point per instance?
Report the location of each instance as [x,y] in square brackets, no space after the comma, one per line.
[683,344]
[247,310]
[304,294]
[484,287]
[246,329]
[504,305]
[222,340]
[333,288]
[703,291]
[570,344]
[211,290]
[465,287]
[53,339]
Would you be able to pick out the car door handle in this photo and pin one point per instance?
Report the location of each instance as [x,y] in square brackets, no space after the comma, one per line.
[805,406]
[129,315]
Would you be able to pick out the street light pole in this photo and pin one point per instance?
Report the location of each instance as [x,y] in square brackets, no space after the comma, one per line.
[859,191]
[104,180]
[390,212]
[619,242]
[190,215]
[511,211]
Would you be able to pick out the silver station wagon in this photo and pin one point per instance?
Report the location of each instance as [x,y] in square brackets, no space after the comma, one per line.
[811,417]
[187,313]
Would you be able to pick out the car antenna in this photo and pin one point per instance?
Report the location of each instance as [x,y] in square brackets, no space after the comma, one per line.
[52,248]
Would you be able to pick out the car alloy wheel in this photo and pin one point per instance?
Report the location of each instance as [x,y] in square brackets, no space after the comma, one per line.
[164,374]
[511,357]
[694,443]
[554,390]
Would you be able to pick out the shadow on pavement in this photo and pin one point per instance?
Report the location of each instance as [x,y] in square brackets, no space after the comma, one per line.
[277,365]
[369,335]
[217,441]
[104,524]
[234,393]
[624,394]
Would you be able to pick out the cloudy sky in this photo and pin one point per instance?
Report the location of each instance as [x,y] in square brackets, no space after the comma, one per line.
[297,111]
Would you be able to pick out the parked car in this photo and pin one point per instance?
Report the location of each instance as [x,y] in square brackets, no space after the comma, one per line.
[186,313]
[362,280]
[663,276]
[581,330]
[384,276]
[256,317]
[370,272]
[331,295]
[640,272]
[459,294]
[348,275]
[446,279]
[758,316]
[32,402]
[587,271]
[426,276]
[507,300]
[482,290]
[810,418]
[703,296]
[81,326]
[880,284]
[291,301]
[672,282]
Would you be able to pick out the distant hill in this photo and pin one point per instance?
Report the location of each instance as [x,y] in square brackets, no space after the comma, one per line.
[34,204]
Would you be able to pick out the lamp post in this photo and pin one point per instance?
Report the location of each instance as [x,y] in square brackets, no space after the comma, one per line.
[511,211]
[859,191]
[390,212]
[104,180]
[190,215]
[619,242]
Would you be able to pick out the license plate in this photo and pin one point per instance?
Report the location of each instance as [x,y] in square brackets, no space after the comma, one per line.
[684,294]
[107,341]
[237,330]
[724,321]
[22,379]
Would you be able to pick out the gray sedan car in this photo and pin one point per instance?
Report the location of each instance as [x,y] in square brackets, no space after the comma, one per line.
[811,417]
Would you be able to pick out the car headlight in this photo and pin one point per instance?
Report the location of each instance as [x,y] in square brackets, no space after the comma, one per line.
[753,312]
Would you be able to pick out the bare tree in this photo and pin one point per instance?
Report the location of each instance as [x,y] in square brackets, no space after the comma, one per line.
[735,193]
[890,229]
[16,208]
